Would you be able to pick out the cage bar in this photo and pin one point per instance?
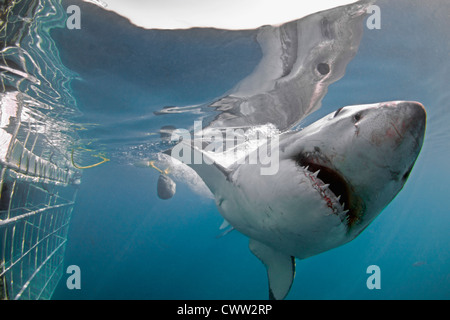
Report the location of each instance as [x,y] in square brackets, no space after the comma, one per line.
[37,196]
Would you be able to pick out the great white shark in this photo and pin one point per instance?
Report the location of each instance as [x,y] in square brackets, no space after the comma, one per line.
[334,177]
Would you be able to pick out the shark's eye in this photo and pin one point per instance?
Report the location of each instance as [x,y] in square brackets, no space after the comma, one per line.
[357,117]
[323,68]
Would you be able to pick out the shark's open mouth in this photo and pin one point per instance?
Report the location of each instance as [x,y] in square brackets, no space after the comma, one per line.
[333,187]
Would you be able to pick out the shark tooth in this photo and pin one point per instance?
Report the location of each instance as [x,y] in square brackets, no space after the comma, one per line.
[315,174]
[325,186]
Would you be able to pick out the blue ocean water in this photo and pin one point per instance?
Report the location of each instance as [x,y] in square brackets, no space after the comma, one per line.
[129,244]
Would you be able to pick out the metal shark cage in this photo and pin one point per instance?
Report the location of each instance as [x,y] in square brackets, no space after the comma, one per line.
[36,201]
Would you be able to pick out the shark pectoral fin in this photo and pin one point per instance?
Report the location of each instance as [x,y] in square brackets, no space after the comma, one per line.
[213,174]
[224,233]
[224,224]
[280,269]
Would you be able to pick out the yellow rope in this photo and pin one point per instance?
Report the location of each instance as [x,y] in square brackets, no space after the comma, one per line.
[152,164]
[104,159]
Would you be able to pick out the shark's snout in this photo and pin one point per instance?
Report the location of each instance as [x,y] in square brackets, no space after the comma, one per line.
[398,122]
[413,120]
[412,114]
[391,135]
[415,109]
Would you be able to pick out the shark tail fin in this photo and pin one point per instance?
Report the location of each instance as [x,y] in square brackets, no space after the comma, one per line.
[280,269]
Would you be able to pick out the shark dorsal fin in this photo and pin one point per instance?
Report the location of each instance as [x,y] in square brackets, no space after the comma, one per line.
[280,269]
